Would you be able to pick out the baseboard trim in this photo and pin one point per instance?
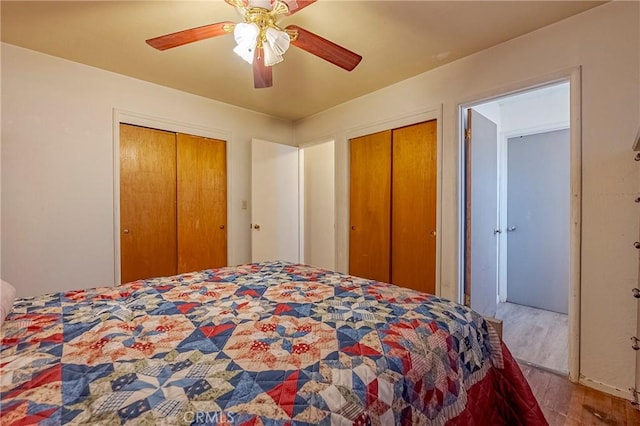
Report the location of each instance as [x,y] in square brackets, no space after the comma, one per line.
[611,390]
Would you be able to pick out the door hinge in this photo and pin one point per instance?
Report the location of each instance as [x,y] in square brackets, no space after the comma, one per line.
[467,134]
[467,300]
[634,393]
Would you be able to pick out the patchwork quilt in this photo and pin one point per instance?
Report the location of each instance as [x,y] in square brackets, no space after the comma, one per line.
[271,343]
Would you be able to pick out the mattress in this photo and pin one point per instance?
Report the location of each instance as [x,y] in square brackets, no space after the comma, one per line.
[270,343]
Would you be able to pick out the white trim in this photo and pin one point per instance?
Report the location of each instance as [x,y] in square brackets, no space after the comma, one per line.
[621,393]
[550,127]
[301,209]
[575,117]
[127,117]
[402,120]
[573,76]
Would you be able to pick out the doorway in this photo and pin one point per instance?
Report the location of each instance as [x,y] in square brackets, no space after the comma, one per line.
[318,205]
[293,203]
[518,219]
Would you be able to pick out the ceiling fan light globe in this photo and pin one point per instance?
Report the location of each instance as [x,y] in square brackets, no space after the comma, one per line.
[277,40]
[263,4]
[246,34]
[270,56]
[245,52]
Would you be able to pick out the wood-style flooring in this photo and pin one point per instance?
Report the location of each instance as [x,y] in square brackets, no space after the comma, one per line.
[568,404]
[536,336]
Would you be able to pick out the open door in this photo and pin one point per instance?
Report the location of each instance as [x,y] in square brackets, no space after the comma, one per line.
[481,214]
[274,202]
[538,212]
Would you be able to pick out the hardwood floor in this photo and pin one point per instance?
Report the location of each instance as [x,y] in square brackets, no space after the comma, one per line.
[568,404]
[539,338]
[535,336]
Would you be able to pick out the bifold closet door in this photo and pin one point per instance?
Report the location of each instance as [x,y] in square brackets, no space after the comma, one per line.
[370,206]
[147,203]
[413,189]
[202,203]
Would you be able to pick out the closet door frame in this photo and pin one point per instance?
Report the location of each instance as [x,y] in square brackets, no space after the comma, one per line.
[138,119]
[402,120]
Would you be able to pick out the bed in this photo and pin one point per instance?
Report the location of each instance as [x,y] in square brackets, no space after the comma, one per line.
[270,343]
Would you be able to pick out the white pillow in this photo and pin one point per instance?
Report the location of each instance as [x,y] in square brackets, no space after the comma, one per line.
[7,296]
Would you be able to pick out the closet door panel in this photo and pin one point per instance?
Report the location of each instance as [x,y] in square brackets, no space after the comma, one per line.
[147,203]
[370,206]
[202,203]
[413,241]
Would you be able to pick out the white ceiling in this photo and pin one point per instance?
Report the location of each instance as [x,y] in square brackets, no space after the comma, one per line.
[397,39]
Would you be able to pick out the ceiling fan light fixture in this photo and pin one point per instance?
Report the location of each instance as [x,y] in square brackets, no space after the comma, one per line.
[245,52]
[264,4]
[278,40]
[270,56]
[260,41]
[246,36]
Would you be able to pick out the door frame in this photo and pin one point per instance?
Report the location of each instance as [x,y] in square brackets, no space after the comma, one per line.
[121,116]
[407,119]
[573,76]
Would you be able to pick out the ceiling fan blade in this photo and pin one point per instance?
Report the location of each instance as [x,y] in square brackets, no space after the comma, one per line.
[179,38]
[296,6]
[323,48]
[262,74]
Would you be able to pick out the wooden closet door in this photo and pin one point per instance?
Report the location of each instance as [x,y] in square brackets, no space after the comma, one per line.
[413,241]
[147,203]
[370,206]
[202,203]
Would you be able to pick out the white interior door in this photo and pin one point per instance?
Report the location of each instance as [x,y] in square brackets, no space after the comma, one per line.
[482,212]
[274,202]
[538,213]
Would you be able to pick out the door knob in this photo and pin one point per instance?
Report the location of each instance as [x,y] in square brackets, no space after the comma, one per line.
[221,226]
[256,226]
[125,231]
[353,228]
[512,228]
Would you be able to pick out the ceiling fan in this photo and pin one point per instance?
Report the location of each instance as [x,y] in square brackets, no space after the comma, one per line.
[260,41]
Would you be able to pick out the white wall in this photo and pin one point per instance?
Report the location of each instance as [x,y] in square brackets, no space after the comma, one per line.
[319,205]
[531,112]
[58,165]
[604,43]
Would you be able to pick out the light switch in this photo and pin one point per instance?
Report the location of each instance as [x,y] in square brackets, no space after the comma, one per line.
[244,204]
